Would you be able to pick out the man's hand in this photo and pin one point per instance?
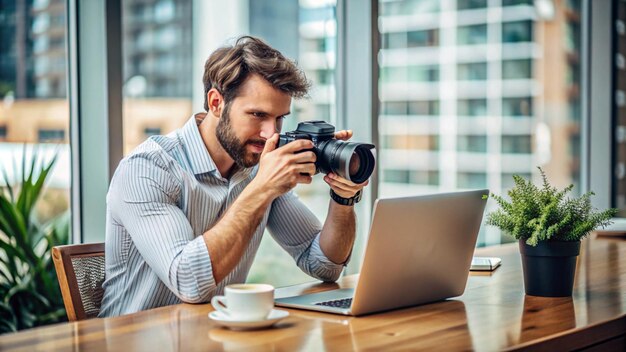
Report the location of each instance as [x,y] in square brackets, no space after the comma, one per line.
[343,187]
[343,135]
[340,185]
[282,169]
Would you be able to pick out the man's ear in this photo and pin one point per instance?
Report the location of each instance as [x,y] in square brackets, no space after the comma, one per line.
[215,101]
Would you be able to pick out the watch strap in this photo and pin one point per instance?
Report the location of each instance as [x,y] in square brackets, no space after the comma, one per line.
[345,201]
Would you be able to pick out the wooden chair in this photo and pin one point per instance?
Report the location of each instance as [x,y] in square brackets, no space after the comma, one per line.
[80,271]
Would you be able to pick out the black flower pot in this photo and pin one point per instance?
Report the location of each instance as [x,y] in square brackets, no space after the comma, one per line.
[549,267]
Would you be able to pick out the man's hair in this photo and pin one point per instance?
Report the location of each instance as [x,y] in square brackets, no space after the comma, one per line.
[228,67]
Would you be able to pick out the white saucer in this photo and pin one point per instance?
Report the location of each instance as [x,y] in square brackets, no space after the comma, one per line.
[274,316]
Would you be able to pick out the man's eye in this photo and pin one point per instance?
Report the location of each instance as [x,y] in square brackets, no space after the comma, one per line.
[258,114]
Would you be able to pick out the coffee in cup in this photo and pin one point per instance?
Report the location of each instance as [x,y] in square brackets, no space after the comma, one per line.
[245,302]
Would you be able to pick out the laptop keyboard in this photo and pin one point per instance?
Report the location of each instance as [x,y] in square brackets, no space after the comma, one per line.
[338,303]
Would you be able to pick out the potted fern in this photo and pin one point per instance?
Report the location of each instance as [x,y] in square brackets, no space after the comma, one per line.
[549,227]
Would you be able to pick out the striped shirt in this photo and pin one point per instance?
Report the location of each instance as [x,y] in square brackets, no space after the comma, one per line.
[161,200]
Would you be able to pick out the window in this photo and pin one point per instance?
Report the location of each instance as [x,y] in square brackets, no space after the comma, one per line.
[58,42]
[167,62]
[402,8]
[574,5]
[472,107]
[42,65]
[423,74]
[422,38]
[396,176]
[41,23]
[58,20]
[414,142]
[151,131]
[393,40]
[414,108]
[516,2]
[573,73]
[164,11]
[471,180]
[427,107]
[574,109]
[472,72]
[477,144]
[166,38]
[412,176]
[325,76]
[470,4]
[517,69]
[395,108]
[516,144]
[410,74]
[575,145]
[572,34]
[157,89]
[34,106]
[517,107]
[521,31]
[41,44]
[618,118]
[50,136]
[40,4]
[321,45]
[429,177]
[508,182]
[475,34]
[323,111]
[484,108]
[394,74]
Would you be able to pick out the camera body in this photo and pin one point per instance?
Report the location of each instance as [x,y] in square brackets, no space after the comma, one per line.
[350,160]
[315,131]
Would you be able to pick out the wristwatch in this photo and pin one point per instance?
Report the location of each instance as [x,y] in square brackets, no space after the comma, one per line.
[345,201]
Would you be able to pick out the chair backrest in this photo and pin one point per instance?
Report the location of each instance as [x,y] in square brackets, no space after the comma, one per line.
[80,270]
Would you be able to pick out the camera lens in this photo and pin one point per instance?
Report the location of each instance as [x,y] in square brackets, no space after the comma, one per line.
[350,160]
[355,164]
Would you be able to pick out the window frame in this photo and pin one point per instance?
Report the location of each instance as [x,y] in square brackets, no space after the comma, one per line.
[596,101]
[95,98]
[95,86]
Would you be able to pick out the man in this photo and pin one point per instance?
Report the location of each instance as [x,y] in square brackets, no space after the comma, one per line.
[186,211]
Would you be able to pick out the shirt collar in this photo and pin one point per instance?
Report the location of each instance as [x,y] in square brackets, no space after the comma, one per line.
[199,157]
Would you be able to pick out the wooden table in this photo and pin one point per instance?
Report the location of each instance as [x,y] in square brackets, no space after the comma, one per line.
[493,314]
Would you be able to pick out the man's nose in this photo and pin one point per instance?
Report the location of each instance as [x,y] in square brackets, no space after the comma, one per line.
[268,128]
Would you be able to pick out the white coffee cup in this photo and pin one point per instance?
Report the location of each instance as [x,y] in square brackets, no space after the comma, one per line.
[245,302]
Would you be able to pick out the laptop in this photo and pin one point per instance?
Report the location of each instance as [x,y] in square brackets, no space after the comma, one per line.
[419,251]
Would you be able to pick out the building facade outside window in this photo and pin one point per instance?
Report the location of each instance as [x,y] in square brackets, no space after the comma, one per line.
[503,73]
[34,109]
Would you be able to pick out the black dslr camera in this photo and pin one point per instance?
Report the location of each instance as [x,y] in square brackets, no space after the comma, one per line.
[350,160]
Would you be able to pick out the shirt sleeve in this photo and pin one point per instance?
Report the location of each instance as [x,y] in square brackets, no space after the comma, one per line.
[297,230]
[142,198]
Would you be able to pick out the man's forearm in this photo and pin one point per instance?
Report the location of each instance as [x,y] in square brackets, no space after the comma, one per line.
[338,233]
[229,238]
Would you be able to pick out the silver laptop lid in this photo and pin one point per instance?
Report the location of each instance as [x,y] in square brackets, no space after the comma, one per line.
[419,250]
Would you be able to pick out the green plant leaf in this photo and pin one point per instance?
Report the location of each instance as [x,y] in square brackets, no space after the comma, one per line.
[536,214]
[7,183]
[8,320]
[13,224]
[29,292]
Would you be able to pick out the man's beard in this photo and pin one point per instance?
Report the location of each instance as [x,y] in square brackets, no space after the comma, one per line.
[229,141]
